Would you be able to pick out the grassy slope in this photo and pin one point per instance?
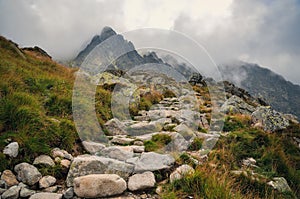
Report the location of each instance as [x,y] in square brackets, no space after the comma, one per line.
[35,103]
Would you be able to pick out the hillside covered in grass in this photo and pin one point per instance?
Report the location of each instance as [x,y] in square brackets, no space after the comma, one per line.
[35,103]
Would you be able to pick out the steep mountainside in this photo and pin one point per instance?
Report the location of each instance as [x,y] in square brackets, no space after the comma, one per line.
[283,95]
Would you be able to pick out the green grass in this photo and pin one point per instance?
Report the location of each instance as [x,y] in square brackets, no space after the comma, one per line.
[35,104]
[157,142]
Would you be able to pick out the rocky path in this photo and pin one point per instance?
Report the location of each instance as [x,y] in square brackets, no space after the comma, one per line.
[123,168]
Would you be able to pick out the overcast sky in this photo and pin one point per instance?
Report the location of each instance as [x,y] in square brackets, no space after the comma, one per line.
[258,31]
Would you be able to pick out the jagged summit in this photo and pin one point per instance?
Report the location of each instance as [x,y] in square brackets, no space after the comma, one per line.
[107,32]
[118,42]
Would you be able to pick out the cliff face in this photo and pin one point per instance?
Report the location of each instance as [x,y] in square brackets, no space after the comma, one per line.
[281,94]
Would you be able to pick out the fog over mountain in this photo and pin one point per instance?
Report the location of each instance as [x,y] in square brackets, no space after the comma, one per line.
[263,32]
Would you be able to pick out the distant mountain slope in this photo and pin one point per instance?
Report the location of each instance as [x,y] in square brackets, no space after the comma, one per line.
[132,58]
[261,82]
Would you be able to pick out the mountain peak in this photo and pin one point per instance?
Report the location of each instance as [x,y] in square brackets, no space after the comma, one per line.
[107,32]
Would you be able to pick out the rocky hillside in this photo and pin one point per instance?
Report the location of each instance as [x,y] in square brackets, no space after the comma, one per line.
[163,147]
[283,95]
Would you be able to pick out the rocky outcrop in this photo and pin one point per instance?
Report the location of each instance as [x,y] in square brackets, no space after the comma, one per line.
[269,119]
[235,105]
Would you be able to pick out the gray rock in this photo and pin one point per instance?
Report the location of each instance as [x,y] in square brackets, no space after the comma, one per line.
[47,181]
[12,150]
[65,163]
[2,191]
[249,162]
[269,119]
[236,105]
[138,143]
[180,172]
[52,189]
[185,131]
[280,184]
[122,140]
[141,181]
[69,193]
[88,164]
[99,185]
[142,128]
[25,192]
[153,161]
[138,149]
[9,178]
[44,160]
[178,143]
[46,196]
[115,127]
[118,153]
[27,173]
[11,193]
[93,147]
[3,184]
[63,154]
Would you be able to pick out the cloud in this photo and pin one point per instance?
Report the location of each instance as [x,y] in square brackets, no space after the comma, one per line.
[260,31]
[263,32]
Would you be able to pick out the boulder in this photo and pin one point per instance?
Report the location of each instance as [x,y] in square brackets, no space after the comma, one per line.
[280,184]
[99,185]
[178,143]
[88,164]
[152,161]
[93,147]
[52,189]
[185,131]
[46,196]
[115,127]
[236,105]
[180,172]
[9,178]
[117,153]
[270,119]
[12,150]
[11,193]
[122,140]
[65,163]
[141,181]
[142,128]
[27,173]
[47,181]
[44,160]
[25,192]
[63,154]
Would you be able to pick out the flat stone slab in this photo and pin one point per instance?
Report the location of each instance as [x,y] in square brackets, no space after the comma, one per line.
[89,164]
